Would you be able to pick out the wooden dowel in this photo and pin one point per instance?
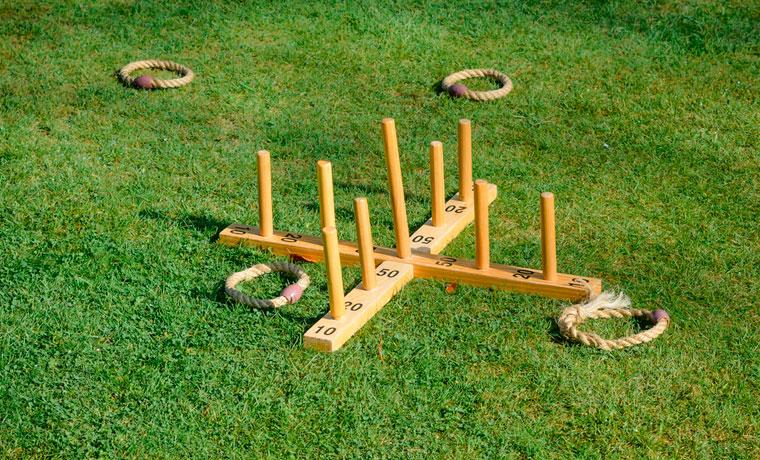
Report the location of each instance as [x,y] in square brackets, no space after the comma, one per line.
[392,162]
[436,183]
[464,149]
[334,275]
[265,193]
[548,241]
[482,248]
[326,195]
[366,250]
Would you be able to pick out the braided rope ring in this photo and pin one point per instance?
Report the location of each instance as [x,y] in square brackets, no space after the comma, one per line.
[149,82]
[459,90]
[289,295]
[609,305]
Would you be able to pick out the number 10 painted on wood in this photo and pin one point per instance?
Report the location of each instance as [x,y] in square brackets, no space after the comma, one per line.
[385,271]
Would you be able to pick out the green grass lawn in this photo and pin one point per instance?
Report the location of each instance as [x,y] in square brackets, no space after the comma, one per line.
[116,339]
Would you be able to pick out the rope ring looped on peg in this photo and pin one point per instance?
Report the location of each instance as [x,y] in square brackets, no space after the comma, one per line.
[289,295]
[451,85]
[609,305]
[149,82]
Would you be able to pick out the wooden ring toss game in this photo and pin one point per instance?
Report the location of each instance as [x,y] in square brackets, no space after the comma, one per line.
[385,271]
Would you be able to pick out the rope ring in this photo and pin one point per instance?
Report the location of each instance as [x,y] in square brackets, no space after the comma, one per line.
[149,82]
[459,90]
[289,295]
[609,305]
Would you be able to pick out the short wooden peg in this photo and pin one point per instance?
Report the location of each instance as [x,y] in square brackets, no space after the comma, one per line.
[436,183]
[482,249]
[548,238]
[392,162]
[265,194]
[326,195]
[366,249]
[334,275]
[465,160]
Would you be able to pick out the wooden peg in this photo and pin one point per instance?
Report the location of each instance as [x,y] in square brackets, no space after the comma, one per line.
[465,160]
[334,275]
[392,162]
[326,195]
[366,249]
[482,248]
[548,239]
[265,193]
[436,183]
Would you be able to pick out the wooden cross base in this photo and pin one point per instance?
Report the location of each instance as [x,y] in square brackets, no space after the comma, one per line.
[329,334]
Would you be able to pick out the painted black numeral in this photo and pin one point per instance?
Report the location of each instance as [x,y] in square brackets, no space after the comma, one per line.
[291,238]
[580,282]
[446,261]
[422,239]
[388,273]
[524,273]
[455,209]
[354,306]
[328,331]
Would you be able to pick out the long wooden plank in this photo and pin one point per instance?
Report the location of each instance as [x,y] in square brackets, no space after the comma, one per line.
[329,334]
[518,279]
[458,215]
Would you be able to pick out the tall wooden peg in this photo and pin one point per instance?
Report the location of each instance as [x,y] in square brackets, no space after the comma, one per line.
[326,195]
[548,239]
[392,162]
[482,248]
[366,249]
[334,275]
[464,148]
[436,183]
[265,193]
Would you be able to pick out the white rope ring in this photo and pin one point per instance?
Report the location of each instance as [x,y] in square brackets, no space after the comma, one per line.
[459,90]
[289,295]
[149,82]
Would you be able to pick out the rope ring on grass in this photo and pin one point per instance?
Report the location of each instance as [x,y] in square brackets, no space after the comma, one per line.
[289,295]
[149,82]
[456,89]
[609,305]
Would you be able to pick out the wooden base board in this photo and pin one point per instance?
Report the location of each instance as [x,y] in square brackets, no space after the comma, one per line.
[329,334]
[457,216]
[450,269]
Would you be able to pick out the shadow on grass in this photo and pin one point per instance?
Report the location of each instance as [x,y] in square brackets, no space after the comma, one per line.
[346,214]
[552,328]
[198,222]
[367,189]
[437,87]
